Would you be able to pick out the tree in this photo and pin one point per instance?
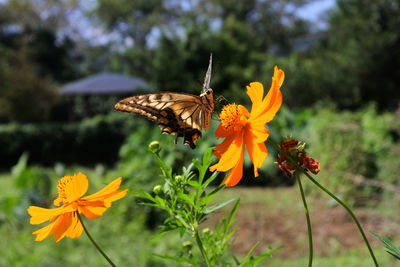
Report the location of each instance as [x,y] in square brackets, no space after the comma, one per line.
[358,60]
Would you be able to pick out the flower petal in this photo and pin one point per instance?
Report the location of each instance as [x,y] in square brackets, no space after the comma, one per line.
[221,132]
[258,132]
[220,149]
[66,221]
[231,155]
[108,192]
[59,228]
[236,174]
[257,151]
[272,102]
[76,228]
[92,212]
[72,187]
[256,92]
[40,215]
[272,108]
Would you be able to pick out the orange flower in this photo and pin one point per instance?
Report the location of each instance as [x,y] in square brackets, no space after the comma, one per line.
[242,128]
[64,220]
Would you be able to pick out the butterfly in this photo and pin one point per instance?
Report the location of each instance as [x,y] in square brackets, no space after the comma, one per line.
[180,114]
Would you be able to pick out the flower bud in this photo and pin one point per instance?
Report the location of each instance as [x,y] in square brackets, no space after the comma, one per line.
[157,189]
[206,231]
[187,245]
[155,147]
[179,178]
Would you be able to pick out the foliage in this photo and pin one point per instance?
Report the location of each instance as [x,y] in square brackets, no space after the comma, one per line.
[353,64]
[34,57]
[349,145]
[47,143]
[187,203]
[391,248]
[25,96]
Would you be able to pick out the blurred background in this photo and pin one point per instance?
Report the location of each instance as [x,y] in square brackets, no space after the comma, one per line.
[64,63]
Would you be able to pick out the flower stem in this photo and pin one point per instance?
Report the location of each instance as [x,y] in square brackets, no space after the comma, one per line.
[200,244]
[350,213]
[294,163]
[309,228]
[93,242]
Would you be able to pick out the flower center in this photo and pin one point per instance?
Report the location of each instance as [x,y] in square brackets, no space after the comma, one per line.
[62,184]
[231,116]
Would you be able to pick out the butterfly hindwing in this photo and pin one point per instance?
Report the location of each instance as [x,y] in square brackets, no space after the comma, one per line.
[180,114]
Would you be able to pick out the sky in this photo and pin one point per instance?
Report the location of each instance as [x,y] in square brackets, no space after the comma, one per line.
[315,10]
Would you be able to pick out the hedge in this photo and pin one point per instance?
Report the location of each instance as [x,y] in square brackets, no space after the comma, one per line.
[90,141]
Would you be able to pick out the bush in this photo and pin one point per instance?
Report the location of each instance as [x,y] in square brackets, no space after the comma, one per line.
[351,145]
[91,141]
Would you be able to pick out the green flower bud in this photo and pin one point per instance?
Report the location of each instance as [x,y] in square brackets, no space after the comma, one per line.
[206,231]
[187,245]
[179,178]
[155,147]
[157,189]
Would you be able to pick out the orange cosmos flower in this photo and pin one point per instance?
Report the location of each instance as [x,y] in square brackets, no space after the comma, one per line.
[242,128]
[64,220]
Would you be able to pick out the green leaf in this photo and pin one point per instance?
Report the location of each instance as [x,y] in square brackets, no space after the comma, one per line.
[218,206]
[186,198]
[233,212]
[254,261]
[177,259]
[193,183]
[210,179]
[392,249]
[247,257]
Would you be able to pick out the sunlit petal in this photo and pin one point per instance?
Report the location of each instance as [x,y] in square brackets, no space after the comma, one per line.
[269,113]
[256,92]
[46,231]
[92,212]
[220,149]
[110,188]
[62,228]
[40,215]
[76,228]
[236,174]
[257,152]
[258,132]
[73,187]
[231,156]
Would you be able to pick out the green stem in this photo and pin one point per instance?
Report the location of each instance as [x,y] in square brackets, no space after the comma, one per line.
[309,228]
[200,244]
[93,242]
[350,213]
[294,163]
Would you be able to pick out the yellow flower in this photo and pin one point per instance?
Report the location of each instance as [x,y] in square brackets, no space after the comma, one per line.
[243,129]
[64,220]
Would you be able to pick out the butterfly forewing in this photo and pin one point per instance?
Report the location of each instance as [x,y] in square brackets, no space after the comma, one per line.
[183,115]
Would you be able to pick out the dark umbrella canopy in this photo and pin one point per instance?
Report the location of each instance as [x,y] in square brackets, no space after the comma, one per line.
[105,83]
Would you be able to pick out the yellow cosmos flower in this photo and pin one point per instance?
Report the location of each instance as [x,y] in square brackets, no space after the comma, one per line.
[243,129]
[65,220]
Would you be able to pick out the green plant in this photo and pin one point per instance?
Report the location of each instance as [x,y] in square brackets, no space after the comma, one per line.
[188,202]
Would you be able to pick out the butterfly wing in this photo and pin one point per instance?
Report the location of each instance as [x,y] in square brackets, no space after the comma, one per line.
[183,115]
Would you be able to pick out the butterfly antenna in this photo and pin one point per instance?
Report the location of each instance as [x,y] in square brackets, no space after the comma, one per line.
[207,79]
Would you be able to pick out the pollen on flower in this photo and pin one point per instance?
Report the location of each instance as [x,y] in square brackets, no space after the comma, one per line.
[62,184]
[230,115]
